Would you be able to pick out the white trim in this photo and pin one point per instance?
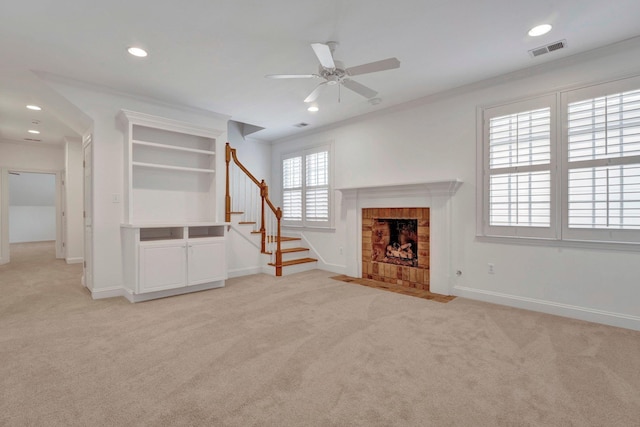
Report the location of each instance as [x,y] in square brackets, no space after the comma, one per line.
[247,271]
[74,260]
[116,291]
[564,243]
[550,307]
[171,292]
[432,188]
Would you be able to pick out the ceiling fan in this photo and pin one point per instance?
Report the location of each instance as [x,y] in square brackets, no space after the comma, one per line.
[334,73]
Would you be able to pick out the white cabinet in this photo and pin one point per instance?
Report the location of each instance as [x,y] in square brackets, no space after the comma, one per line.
[206,261]
[162,266]
[164,260]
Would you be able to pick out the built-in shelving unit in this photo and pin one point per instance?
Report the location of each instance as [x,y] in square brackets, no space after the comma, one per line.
[169,170]
[172,242]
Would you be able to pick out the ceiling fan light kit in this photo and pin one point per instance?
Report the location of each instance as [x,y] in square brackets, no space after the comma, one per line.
[334,72]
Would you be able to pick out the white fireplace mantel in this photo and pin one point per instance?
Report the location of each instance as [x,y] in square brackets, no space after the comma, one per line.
[432,188]
[435,195]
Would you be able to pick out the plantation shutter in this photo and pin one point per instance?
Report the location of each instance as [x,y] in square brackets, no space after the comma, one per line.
[292,189]
[603,162]
[317,187]
[518,169]
[306,192]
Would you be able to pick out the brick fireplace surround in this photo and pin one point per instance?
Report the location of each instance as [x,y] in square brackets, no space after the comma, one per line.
[436,196]
[412,277]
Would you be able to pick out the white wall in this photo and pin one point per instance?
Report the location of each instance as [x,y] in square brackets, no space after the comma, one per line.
[74,228]
[435,139]
[28,156]
[32,224]
[32,207]
[108,158]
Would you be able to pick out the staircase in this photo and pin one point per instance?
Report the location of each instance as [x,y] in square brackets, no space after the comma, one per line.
[251,212]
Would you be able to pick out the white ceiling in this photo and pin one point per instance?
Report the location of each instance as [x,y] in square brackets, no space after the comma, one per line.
[213,54]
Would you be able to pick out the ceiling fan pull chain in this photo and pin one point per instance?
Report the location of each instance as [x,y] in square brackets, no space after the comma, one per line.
[339,93]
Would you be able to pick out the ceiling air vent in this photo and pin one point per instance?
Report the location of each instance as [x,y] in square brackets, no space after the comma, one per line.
[301,125]
[33,139]
[548,48]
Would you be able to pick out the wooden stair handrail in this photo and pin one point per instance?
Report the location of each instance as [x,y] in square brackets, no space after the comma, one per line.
[230,154]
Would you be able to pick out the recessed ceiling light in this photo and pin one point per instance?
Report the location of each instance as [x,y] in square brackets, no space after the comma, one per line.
[33,131]
[540,30]
[313,108]
[137,51]
[34,107]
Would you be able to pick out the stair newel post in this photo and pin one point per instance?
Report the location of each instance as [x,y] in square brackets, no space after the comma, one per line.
[278,248]
[264,193]
[227,196]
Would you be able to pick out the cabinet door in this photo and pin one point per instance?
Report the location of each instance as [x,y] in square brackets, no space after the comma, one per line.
[162,266]
[206,261]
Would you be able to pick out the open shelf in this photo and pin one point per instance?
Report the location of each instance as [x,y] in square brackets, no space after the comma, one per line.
[172,147]
[174,168]
[161,233]
[206,231]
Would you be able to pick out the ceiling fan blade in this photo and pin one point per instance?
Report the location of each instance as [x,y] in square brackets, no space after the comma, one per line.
[316,92]
[291,76]
[323,52]
[372,67]
[360,89]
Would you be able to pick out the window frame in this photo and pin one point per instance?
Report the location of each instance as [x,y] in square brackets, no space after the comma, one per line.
[303,153]
[592,234]
[486,114]
[562,235]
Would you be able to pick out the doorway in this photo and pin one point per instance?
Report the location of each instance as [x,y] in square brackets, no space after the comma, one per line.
[32,211]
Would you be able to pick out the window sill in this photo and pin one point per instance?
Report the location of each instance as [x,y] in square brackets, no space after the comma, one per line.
[557,243]
[327,229]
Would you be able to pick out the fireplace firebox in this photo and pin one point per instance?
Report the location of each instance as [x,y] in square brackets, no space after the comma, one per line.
[395,246]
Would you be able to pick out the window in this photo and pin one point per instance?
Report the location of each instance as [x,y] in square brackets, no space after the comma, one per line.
[602,162]
[519,168]
[585,187]
[306,188]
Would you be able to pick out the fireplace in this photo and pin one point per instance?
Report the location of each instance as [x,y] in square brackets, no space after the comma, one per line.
[395,246]
[434,207]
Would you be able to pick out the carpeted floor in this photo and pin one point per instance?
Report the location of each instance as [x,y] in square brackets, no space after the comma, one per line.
[303,350]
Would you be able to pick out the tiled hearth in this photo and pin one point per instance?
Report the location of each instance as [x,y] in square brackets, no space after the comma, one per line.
[412,273]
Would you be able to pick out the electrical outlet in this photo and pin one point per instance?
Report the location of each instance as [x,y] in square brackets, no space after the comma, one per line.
[491,268]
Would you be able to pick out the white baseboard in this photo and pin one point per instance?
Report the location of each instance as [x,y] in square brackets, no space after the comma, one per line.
[76,260]
[247,271]
[334,268]
[171,292]
[549,307]
[107,293]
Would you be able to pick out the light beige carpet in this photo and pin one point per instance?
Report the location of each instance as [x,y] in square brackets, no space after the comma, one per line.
[303,350]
